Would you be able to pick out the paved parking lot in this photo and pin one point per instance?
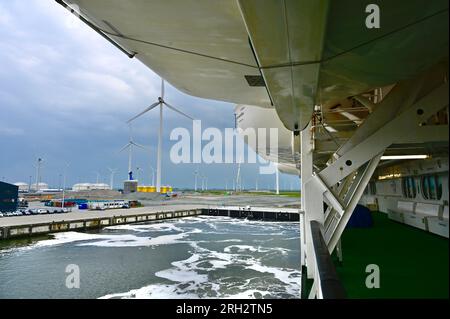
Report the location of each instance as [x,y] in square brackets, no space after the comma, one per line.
[184,202]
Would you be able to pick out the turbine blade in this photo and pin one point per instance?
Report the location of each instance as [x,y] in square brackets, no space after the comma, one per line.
[138,145]
[162,88]
[178,111]
[144,111]
[125,147]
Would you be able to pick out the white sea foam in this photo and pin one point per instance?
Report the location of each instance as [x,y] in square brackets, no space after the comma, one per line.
[182,276]
[258,249]
[156,291]
[136,241]
[229,241]
[146,227]
[69,237]
[288,276]
[248,294]
[113,240]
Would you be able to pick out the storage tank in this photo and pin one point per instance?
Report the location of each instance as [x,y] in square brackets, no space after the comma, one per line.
[23,187]
[41,186]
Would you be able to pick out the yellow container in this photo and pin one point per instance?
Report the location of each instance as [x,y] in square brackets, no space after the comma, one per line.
[141,189]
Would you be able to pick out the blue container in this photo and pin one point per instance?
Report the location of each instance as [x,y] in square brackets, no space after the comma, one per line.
[83,206]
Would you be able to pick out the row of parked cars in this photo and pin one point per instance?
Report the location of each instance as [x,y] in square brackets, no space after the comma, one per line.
[35,211]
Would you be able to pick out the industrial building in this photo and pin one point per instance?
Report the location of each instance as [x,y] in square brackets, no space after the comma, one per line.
[8,197]
[89,187]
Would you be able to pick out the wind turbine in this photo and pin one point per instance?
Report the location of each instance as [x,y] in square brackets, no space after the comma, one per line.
[111,181]
[153,175]
[130,145]
[139,169]
[38,173]
[277,177]
[195,176]
[203,181]
[161,103]
[98,177]
[238,176]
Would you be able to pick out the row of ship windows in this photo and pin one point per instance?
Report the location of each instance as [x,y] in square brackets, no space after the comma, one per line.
[430,187]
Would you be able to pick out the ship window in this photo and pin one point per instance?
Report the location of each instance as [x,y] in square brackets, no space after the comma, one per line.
[439,187]
[373,188]
[432,187]
[409,187]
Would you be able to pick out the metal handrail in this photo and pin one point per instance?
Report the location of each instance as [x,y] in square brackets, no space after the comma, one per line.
[328,280]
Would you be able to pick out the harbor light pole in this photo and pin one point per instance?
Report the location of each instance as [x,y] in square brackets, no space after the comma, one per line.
[138,169]
[38,173]
[64,185]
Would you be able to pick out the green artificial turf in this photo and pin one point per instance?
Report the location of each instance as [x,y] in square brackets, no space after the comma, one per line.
[413,263]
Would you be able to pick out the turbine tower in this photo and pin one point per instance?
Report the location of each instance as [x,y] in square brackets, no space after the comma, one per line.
[153,175]
[277,176]
[129,146]
[196,172]
[38,173]
[98,177]
[161,103]
[238,176]
[111,177]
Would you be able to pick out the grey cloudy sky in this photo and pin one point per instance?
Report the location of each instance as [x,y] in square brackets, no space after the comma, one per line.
[66,93]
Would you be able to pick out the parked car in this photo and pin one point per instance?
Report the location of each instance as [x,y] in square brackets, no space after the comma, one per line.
[1,214]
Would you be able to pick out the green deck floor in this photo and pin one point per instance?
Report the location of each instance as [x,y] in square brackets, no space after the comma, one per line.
[413,263]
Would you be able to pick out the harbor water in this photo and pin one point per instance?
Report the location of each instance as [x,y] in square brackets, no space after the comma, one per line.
[193,257]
